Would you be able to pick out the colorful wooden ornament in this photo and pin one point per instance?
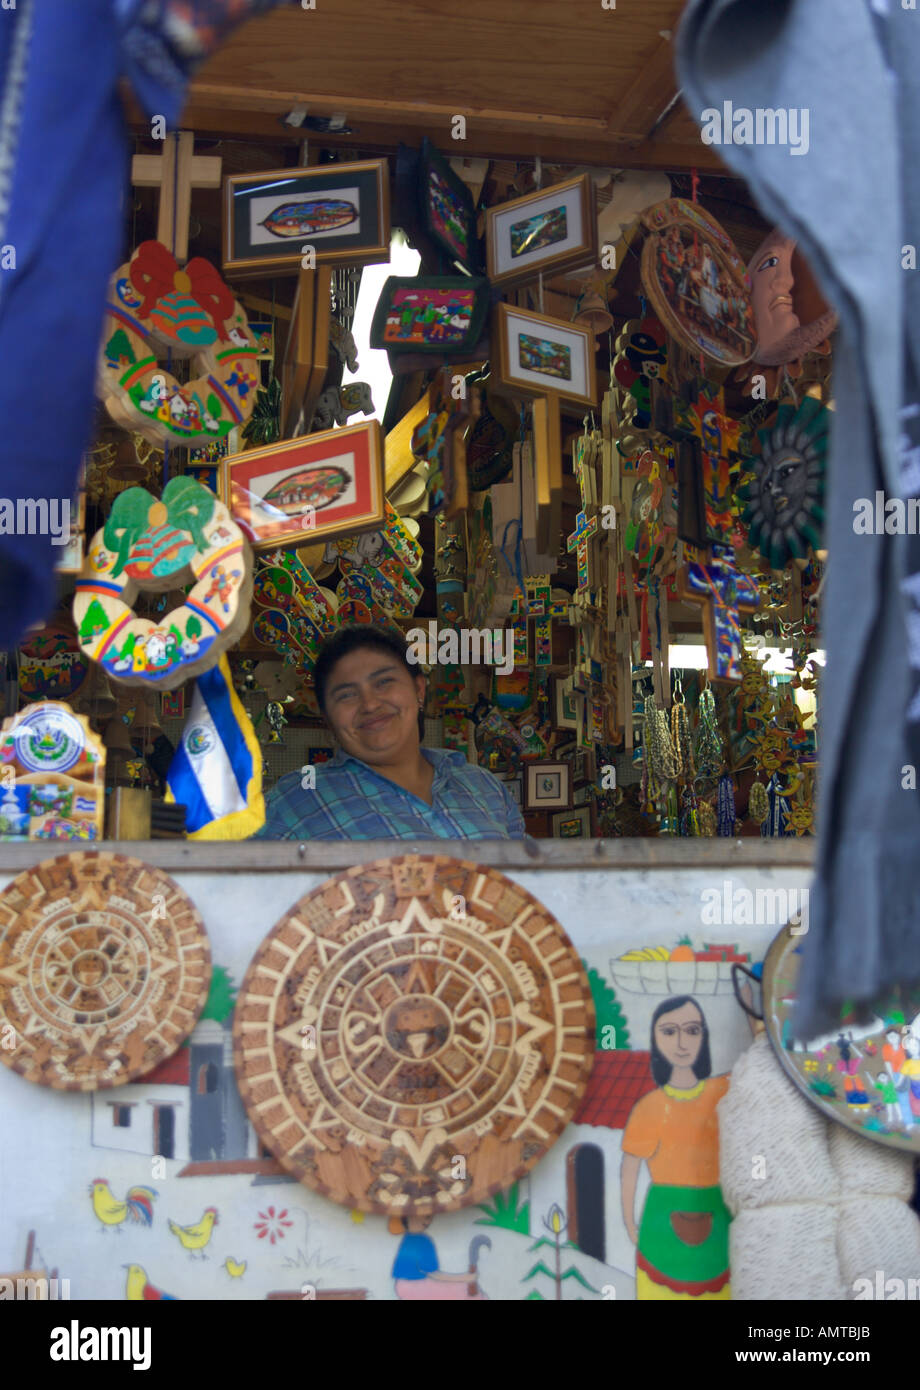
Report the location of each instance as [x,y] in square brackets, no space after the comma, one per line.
[784,501]
[641,358]
[436,440]
[697,282]
[52,775]
[580,542]
[293,615]
[51,664]
[104,970]
[408,1012]
[154,308]
[724,592]
[146,544]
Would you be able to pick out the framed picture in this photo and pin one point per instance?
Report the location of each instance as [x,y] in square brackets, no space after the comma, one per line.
[341,210]
[172,704]
[697,282]
[436,313]
[448,214]
[572,825]
[515,788]
[311,488]
[549,231]
[582,795]
[565,705]
[540,356]
[547,786]
[263,330]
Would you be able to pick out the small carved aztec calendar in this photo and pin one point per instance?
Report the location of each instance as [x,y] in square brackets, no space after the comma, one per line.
[413,1035]
[104,970]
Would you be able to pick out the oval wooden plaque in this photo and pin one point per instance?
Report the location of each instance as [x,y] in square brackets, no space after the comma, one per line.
[413,1035]
[864,1073]
[104,969]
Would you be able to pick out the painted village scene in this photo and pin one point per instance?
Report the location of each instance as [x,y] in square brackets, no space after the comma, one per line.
[171,1196]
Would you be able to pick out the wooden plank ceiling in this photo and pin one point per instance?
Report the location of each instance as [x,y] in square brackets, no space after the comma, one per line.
[565,79]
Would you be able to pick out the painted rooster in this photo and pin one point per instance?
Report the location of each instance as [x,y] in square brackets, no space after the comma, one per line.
[137,1206]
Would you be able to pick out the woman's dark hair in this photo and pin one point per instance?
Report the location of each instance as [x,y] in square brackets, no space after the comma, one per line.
[661,1067]
[346,640]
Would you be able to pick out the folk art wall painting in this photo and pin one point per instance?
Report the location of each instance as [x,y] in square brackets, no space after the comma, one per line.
[342,211]
[625,1202]
[156,309]
[440,314]
[158,545]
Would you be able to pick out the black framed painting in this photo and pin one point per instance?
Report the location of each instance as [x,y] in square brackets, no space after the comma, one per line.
[440,314]
[342,211]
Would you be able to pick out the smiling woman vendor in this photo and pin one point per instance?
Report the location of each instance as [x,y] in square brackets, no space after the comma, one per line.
[382,784]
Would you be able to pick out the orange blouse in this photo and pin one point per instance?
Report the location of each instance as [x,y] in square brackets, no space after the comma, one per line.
[677,1132]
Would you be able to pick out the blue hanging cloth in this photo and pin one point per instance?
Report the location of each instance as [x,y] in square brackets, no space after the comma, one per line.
[63,176]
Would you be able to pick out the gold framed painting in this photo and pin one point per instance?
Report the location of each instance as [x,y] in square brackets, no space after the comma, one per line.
[315,487]
[341,210]
[536,355]
[546,232]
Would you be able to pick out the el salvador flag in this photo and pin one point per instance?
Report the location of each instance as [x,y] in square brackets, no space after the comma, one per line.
[217,769]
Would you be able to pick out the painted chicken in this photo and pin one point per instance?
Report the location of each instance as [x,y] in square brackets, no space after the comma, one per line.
[137,1206]
[138,1287]
[193,1238]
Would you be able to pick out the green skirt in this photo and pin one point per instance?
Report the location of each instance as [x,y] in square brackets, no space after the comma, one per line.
[685,1249]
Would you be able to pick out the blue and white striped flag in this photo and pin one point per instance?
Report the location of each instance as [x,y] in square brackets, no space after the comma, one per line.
[217,769]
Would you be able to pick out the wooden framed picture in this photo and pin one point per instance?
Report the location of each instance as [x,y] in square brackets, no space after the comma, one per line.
[536,355]
[263,330]
[549,231]
[448,214]
[515,788]
[341,210]
[572,825]
[439,314]
[547,786]
[565,704]
[697,282]
[315,487]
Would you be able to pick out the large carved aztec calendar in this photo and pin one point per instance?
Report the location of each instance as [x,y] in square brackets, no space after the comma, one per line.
[413,1035]
[104,970]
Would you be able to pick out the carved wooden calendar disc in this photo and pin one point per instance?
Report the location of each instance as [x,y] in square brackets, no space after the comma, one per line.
[104,969]
[413,1035]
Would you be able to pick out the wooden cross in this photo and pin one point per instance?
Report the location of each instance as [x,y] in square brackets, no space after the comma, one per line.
[581,541]
[438,440]
[538,603]
[518,614]
[699,413]
[724,593]
[176,172]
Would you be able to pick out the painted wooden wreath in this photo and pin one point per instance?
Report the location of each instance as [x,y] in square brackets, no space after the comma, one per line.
[154,309]
[156,546]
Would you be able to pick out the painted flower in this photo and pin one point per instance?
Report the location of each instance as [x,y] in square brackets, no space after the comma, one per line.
[272,1224]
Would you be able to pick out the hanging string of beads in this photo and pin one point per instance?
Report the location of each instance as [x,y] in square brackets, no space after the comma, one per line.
[689,813]
[680,737]
[726,805]
[660,764]
[707,817]
[758,803]
[709,751]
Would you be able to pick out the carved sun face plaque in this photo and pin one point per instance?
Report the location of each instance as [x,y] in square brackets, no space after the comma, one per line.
[104,970]
[413,1035]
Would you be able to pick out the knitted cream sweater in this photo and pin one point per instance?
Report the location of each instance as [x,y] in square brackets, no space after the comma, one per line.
[815,1207]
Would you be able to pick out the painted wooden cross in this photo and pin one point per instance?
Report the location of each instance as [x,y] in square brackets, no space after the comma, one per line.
[543,609]
[699,413]
[518,614]
[724,593]
[438,440]
[581,542]
[176,172]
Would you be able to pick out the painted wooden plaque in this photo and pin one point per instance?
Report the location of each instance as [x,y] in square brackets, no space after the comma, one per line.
[413,1035]
[864,1073]
[157,546]
[104,970]
[697,282]
[52,767]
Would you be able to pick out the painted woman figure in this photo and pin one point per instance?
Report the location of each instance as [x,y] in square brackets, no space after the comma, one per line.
[682,1236]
